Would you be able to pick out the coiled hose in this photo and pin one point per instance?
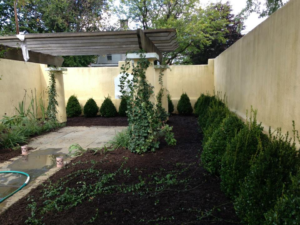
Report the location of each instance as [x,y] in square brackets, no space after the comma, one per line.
[26,182]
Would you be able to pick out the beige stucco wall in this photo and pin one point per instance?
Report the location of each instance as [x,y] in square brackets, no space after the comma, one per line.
[96,83]
[263,70]
[191,79]
[16,78]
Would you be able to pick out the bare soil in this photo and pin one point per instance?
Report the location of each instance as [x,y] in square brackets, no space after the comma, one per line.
[97,121]
[175,190]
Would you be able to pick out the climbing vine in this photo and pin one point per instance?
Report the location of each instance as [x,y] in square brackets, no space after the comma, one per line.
[52,94]
[146,124]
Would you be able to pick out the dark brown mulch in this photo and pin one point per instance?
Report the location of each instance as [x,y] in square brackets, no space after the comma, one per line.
[199,201]
[8,153]
[97,121]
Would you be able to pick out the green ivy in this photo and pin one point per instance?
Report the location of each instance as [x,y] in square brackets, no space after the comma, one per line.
[52,94]
[146,120]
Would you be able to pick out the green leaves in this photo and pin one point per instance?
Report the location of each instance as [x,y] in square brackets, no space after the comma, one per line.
[145,118]
[52,94]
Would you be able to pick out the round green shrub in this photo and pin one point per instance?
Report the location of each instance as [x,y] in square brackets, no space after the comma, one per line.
[184,106]
[108,108]
[237,158]
[123,107]
[170,104]
[269,174]
[287,207]
[73,107]
[215,147]
[90,108]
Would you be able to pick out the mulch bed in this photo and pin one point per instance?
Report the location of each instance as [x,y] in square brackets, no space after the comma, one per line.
[97,121]
[9,153]
[197,200]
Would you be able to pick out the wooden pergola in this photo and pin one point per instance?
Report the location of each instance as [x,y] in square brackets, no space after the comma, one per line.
[49,47]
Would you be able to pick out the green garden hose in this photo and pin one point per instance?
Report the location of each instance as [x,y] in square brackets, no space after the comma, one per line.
[26,182]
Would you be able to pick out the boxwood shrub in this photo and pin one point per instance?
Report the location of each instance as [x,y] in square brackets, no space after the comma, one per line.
[90,108]
[239,153]
[287,208]
[215,147]
[184,106]
[170,104]
[269,174]
[123,107]
[108,108]
[73,107]
[202,104]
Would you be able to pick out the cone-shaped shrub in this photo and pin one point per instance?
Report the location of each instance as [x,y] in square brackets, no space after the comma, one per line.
[269,175]
[170,104]
[287,207]
[184,106]
[217,112]
[239,153]
[108,108]
[73,107]
[90,108]
[215,147]
[123,107]
[202,104]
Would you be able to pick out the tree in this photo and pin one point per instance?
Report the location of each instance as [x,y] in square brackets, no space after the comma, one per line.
[234,26]
[195,26]
[270,7]
[48,16]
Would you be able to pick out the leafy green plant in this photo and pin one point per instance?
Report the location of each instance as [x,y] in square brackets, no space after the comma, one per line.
[90,108]
[73,107]
[215,147]
[121,139]
[108,108]
[217,112]
[76,150]
[268,175]
[52,94]
[287,208]
[170,104]
[202,104]
[184,106]
[123,106]
[240,153]
[145,118]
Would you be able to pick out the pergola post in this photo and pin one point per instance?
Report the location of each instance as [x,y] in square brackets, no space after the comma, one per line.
[61,115]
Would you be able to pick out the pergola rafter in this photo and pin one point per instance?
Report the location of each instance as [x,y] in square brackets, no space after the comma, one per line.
[54,45]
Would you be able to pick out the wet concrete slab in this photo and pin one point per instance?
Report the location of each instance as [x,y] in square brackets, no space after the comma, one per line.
[40,164]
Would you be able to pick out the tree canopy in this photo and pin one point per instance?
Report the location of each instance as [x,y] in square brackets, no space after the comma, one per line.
[234,26]
[270,7]
[196,27]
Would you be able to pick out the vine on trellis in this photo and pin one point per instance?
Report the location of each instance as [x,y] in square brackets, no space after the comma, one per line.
[146,120]
[52,94]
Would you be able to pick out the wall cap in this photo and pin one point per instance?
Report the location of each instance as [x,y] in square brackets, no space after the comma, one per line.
[58,69]
[161,67]
[151,55]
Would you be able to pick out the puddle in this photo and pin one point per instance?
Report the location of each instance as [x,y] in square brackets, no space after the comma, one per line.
[35,164]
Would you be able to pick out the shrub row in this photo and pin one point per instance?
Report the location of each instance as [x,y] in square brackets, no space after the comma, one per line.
[259,172]
[91,109]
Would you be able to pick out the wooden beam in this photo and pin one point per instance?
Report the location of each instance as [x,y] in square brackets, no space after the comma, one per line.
[35,57]
[147,45]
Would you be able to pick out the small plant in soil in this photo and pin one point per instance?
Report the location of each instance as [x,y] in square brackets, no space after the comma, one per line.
[184,106]
[90,108]
[73,107]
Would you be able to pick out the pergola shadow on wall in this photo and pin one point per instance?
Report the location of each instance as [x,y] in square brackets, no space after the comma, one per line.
[49,47]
